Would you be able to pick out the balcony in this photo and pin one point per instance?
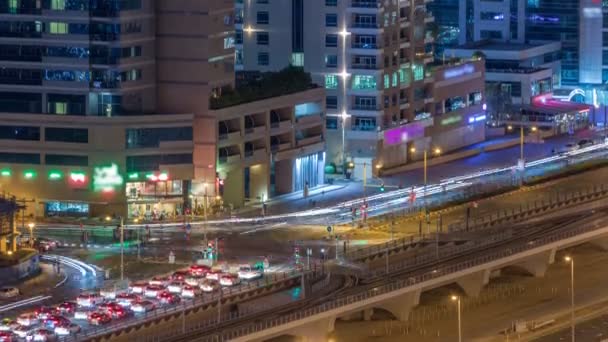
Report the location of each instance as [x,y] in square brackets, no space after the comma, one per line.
[280,147]
[256,156]
[429,99]
[404,105]
[404,44]
[366,48]
[429,18]
[309,121]
[365,7]
[255,131]
[280,126]
[365,66]
[366,109]
[231,159]
[359,27]
[362,133]
[310,140]
[230,138]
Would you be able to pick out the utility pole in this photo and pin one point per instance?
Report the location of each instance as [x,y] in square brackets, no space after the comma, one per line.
[122,250]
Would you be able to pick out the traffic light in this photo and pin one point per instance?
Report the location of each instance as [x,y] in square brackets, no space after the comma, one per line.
[382,187]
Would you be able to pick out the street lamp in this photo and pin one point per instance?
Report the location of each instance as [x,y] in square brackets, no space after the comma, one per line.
[571,261]
[437,152]
[31,226]
[457,300]
[136,220]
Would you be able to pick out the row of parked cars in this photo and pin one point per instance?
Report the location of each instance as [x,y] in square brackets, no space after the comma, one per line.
[103,307]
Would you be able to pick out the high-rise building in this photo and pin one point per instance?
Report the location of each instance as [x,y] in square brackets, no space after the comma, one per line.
[105,108]
[372,56]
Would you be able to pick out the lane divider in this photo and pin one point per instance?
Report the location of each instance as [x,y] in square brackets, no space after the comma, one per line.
[24,302]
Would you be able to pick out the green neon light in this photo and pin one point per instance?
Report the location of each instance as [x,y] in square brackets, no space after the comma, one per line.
[133,175]
[5,173]
[451,120]
[55,175]
[106,178]
[29,174]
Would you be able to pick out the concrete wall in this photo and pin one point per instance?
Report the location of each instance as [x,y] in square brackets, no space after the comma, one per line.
[26,267]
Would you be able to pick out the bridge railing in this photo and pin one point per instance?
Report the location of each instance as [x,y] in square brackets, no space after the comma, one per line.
[339,303]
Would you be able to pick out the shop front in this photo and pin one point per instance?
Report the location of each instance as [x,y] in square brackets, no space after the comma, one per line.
[156,200]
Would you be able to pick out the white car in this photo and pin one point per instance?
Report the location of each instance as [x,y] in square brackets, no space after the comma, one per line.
[143,306]
[138,287]
[108,293]
[175,287]
[24,331]
[191,291]
[28,319]
[214,274]
[42,335]
[152,291]
[159,281]
[193,281]
[67,329]
[89,299]
[247,272]
[127,299]
[9,292]
[229,280]
[83,313]
[209,285]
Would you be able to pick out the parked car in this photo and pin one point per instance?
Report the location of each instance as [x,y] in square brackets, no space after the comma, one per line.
[248,272]
[585,143]
[9,292]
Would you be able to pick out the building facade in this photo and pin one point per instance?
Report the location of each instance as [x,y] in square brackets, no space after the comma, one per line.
[370,55]
[105,109]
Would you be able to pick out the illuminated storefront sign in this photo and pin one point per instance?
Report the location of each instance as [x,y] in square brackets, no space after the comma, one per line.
[451,120]
[106,178]
[477,118]
[460,71]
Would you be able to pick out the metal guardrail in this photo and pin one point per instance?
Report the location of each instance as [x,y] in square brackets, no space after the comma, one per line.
[206,299]
[395,286]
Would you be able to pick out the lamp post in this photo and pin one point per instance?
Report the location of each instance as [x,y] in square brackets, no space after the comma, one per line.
[437,152]
[136,220]
[122,249]
[571,261]
[457,300]
[31,226]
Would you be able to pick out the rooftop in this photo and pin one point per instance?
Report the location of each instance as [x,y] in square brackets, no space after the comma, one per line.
[259,86]
[499,46]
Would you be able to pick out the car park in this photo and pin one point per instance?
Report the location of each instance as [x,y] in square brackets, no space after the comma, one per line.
[229,280]
[191,291]
[99,318]
[143,306]
[209,285]
[9,292]
[152,291]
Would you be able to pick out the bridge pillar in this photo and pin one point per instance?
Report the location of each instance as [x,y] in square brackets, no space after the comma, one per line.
[537,265]
[367,314]
[402,306]
[472,283]
[602,243]
[316,331]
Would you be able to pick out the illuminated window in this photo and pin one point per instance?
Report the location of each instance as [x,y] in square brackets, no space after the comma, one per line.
[58,5]
[61,108]
[12,6]
[387,81]
[364,82]
[331,82]
[297,59]
[58,28]
[395,79]
[418,72]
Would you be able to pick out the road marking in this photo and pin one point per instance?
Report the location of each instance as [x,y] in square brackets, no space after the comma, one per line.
[24,302]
